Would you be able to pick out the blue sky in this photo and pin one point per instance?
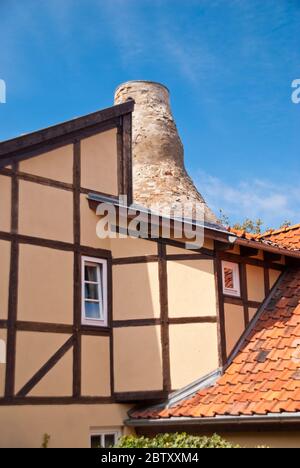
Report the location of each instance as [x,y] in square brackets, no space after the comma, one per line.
[229,65]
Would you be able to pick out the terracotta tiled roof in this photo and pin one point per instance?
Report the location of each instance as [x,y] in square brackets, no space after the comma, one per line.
[286,238]
[264,377]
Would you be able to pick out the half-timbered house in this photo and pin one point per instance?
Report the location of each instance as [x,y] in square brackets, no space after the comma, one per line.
[101,337]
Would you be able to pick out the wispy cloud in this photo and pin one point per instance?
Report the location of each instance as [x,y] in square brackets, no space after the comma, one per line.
[251,199]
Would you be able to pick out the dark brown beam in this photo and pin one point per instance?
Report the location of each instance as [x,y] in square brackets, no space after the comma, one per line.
[141,396]
[223,246]
[134,260]
[42,327]
[136,323]
[272,257]
[248,251]
[230,257]
[19,145]
[185,320]
[77,270]
[164,315]
[220,310]
[13,290]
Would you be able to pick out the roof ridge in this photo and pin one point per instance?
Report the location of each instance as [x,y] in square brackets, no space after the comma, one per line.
[272,232]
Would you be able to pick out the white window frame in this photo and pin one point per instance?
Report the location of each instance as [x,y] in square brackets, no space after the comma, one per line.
[236,290]
[84,320]
[117,432]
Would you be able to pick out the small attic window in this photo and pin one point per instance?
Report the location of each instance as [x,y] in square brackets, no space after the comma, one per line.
[231,279]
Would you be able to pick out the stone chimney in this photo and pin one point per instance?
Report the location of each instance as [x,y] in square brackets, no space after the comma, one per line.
[159,174]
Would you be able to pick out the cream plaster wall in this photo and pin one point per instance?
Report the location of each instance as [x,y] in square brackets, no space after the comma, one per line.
[255,283]
[273,275]
[137,359]
[122,248]
[45,285]
[5,203]
[191,288]
[68,426]
[56,165]
[136,291]
[193,352]
[252,313]
[2,364]
[4,278]
[45,212]
[95,366]
[234,325]
[274,439]
[89,222]
[99,162]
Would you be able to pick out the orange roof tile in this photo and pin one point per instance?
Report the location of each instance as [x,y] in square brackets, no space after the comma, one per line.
[285,238]
[264,377]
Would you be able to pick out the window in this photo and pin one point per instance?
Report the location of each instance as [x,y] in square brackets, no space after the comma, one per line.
[231,279]
[105,439]
[94,292]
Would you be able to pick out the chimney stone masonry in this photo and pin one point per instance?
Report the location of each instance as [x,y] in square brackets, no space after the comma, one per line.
[159,175]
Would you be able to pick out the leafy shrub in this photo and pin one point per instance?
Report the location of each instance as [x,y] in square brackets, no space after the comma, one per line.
[176,440]
[46,440]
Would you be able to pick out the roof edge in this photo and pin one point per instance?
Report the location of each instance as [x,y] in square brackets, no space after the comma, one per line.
[23,142]
[271,418]
[214,231]
[259,244]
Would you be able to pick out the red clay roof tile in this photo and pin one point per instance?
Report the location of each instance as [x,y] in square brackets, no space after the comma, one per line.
[264,377]
[286,238]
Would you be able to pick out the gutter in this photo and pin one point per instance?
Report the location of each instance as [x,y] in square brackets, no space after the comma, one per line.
[216,231]
[218,421]
[213,231]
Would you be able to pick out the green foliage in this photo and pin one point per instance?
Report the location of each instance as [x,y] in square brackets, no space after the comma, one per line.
[250,226]
[224,219]
[176,440]
[46,440]
[286,224]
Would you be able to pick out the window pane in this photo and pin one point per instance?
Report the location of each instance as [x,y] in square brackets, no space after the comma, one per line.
[96,442]
[92,291]
[229,279]
[109,440]
[90,273]
[92,310]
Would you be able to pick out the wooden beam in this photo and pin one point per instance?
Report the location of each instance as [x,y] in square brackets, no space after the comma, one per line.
[272,257]
[220,310]
[164,315]
[248,251]
[26,145]
[13,290]
[186,320]
[141,396]
[135,260]
[77,270]
[223,246]
[136,323]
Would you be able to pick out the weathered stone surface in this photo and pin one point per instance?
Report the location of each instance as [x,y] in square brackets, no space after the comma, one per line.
[159,174]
